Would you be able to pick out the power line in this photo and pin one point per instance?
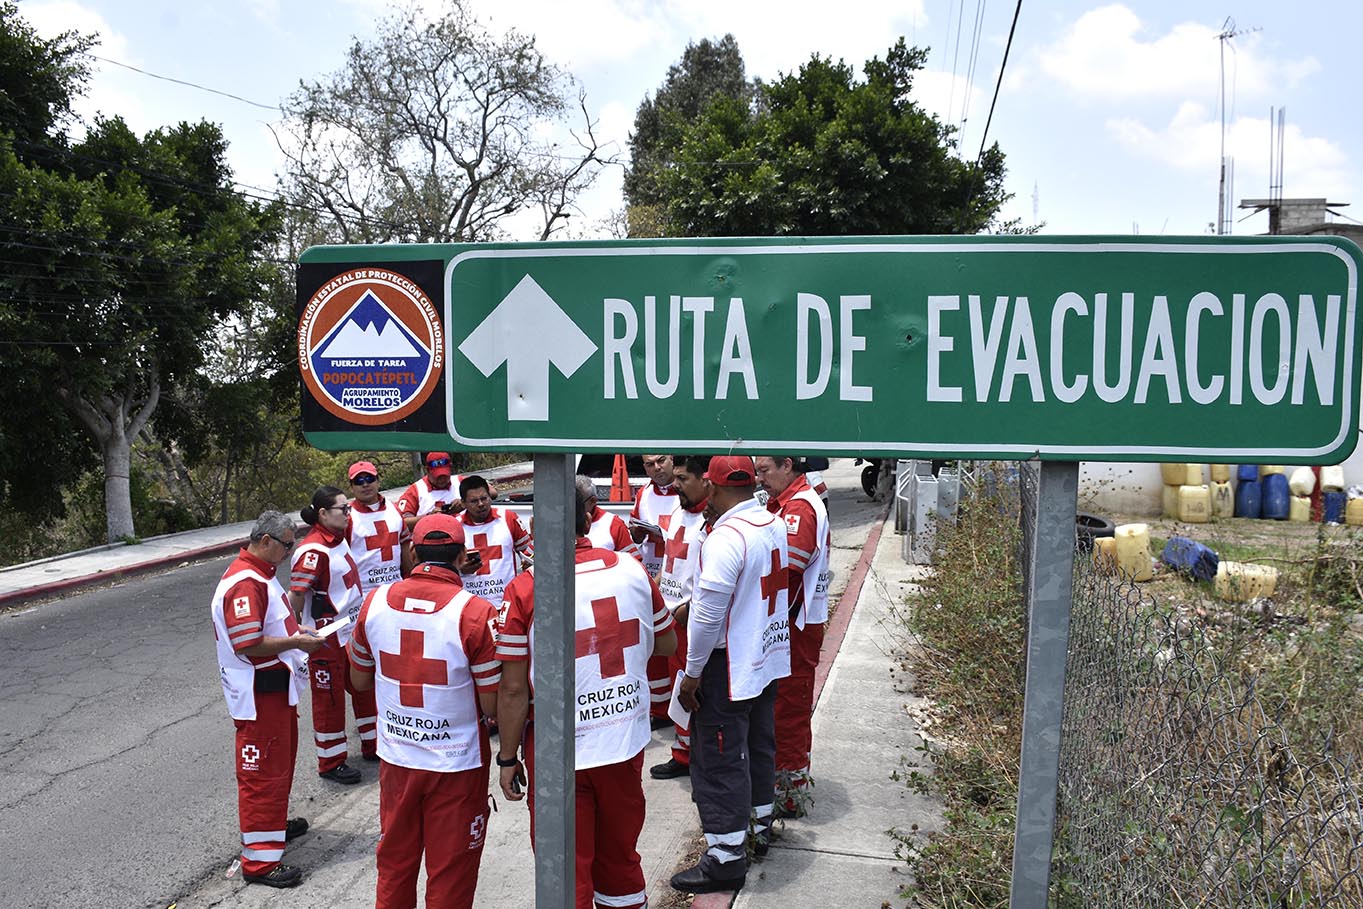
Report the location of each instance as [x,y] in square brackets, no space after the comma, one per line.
[999,83]
[203,88]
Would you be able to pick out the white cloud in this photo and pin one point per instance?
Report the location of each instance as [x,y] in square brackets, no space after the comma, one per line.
[1313,165]
[1108,53]
[582,33]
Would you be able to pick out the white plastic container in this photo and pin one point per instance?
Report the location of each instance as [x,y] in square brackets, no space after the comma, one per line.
[1299,509]
[1220,473]
[1241,581]
[1266,469]
[1169,502]
[1353,512]
[1302,481]
[1105,553]
[1194,504]
[1223,500]
[1181,474]
[1133,551]
[1332,478]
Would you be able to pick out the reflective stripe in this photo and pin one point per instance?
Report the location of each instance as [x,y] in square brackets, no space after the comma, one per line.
[660,697]
[511,653]
[484,667]
[262,855]
[735,838]
[269,836]
[332,751]
[361,661]
[361,720]
[513,639]
[243,626]
[761,811]
[368,735]
[660,684]
[628,901]
[488,683]
[329,736]
[803,554]
[684,741]
[268,663]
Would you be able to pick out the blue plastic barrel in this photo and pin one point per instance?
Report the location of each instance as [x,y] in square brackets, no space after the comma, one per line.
[1276,497]
[1335,503]
[1247,503]
[1247,473]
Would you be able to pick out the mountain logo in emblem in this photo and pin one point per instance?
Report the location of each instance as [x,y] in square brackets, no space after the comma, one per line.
[370,346]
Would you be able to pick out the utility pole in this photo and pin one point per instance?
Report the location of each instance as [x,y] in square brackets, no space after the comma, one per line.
[1228,32]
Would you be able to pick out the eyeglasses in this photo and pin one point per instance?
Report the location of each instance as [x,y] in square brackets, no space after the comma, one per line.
[363,480]
[439,462]
[343,509]
[287,544]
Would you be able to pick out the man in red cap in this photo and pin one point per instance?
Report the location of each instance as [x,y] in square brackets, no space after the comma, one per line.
[380,540]
[438,490]
[427,648]
[738,645]
[790,496]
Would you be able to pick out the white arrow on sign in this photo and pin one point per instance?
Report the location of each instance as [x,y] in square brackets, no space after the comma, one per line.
[527,331]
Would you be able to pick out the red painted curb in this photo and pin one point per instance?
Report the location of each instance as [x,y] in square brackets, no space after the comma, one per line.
[837,628]
[101,577]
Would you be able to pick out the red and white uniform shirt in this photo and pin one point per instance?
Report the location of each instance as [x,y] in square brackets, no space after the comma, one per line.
[608,531]
[680,554]
[809,541]
[498,540]
[654,504]
[432,648]
[619,613]
[249,604]
[744,561]
[324,572]
[421,497]
[376,536]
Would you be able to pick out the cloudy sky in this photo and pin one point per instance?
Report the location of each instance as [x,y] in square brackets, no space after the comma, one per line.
[1108,114]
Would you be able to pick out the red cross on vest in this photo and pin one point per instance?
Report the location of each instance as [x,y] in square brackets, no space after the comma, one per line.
[608,638]
[676,548]
[487,552]
[352,576]
[411,668]
[383,538]
[774,583]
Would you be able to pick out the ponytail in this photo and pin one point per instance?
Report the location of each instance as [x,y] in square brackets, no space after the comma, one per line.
[323,497]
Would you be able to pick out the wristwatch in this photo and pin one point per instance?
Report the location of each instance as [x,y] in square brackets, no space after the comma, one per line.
[509,762]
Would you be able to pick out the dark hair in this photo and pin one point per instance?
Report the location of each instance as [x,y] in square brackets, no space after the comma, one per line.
[795,463]
[440,553]
[695,464]
[472,481]
[322,498]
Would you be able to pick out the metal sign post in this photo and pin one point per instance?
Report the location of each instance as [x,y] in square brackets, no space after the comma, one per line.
[1050,590]
[555,787]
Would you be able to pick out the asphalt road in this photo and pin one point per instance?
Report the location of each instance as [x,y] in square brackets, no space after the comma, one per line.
[115,752]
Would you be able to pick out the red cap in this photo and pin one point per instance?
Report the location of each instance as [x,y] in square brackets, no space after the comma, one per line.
[442,470]
[429,529]
[360,467]
[731,470]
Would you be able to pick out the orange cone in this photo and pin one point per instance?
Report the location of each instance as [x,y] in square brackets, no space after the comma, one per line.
[620,481]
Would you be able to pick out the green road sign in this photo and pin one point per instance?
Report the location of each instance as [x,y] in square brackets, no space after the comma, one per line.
[1227,349]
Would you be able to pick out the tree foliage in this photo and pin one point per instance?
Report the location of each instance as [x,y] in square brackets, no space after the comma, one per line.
[435,132]
[821,152]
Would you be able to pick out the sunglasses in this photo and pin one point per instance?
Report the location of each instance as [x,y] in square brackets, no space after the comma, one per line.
[343,509]
[439,462]
[287,544]
[363,480]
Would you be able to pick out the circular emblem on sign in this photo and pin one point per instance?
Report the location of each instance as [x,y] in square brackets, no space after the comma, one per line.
[370,346]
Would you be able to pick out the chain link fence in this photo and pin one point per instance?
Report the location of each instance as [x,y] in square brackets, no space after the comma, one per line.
[1178,786]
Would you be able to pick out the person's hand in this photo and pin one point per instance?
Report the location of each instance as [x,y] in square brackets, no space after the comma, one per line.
[307,640]
[687,696]
[638,534]
[684,610]
[513,782]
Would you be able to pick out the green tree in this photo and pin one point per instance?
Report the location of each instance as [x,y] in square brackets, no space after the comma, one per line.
[432,132]
[823,153]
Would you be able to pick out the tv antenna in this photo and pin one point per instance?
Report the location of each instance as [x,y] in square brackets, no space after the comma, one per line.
[1229,31]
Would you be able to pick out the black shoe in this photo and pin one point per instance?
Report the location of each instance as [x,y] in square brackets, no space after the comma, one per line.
[760,847]
[344,774]
[371,758]
[694,880]
[296,827]
[659,722]
[669,770]
[280,875]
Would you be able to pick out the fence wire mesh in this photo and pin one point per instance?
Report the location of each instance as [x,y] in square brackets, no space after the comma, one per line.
[1178,787]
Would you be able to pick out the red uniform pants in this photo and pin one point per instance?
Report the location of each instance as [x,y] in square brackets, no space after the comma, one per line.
[610,815]
[681,746]
[795,701]
[329,670]
[659,686]
[265,751]
[443,815]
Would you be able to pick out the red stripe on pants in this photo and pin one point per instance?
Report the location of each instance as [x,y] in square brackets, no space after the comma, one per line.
[266,749]
[329,672]
[443,815]
[795,699]
[681,752]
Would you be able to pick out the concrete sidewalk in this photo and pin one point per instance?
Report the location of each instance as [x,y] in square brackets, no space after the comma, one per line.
[102,564]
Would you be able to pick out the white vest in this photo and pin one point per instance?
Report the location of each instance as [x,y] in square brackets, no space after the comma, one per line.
[441,732]
[383,529]
[600,531]
[495,541]
[652,506]
[346,600]
[680,556]
[614,641]
[757,633]
[236,671]
[818,576]
[428,497]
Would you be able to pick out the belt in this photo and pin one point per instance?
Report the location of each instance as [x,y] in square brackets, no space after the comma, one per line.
[271,681]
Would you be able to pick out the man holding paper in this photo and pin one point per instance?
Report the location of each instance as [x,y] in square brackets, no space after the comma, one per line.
[261,661]
[738,646]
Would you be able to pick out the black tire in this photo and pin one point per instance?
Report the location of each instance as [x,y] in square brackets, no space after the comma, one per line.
[1089,527]
[869,474]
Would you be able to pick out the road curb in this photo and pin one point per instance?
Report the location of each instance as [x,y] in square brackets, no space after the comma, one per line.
[832,643]
[68,585]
